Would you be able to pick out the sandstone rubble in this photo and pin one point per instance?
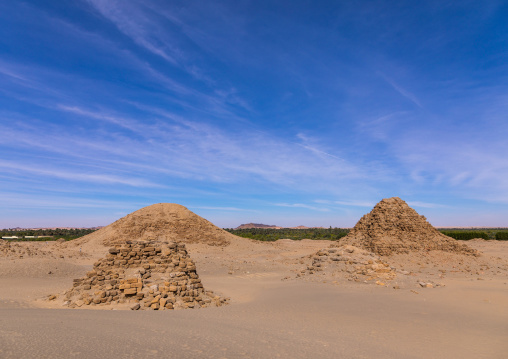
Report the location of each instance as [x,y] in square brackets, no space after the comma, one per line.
[145,275]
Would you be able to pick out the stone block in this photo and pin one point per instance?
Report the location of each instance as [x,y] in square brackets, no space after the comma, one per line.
[130,291]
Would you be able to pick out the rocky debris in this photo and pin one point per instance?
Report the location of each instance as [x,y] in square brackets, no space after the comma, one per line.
[394,227]
[350,262]
[427,284]
[161,222]
[146,275]
[17,250]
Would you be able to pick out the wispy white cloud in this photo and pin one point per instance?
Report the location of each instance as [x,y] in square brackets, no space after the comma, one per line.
[218,208]
[302,205]
[22,76]
[311,144]
[405,93]
[136,26]
[347,203]
[470,164]
[8,200]
[182,148]
[426,204]
[355,203]
[76,176]
[124,122]
[149,32]
[8,72]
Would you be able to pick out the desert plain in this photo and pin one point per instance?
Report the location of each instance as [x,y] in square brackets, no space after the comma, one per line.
[285,299]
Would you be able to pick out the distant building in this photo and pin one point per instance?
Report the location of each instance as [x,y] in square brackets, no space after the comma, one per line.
[39,237]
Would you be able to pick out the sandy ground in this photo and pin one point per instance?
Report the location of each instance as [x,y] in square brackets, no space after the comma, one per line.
[273,312]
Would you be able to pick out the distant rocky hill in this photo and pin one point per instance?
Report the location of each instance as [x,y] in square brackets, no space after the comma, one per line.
[259,225]
[256,225]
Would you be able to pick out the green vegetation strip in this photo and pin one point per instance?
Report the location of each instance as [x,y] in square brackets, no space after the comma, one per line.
[260,234]
[466,235]
[502,236]
[46,234]
[271,234]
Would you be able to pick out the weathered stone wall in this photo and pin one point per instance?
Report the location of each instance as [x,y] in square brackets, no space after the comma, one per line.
[148,275]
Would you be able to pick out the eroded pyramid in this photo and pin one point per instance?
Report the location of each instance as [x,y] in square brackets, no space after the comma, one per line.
[159,222]
[394,227]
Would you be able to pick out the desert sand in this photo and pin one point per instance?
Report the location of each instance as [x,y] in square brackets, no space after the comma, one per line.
[298,299]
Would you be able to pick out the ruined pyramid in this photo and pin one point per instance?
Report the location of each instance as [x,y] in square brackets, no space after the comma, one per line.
[142,275]
[394,227]
[159,222]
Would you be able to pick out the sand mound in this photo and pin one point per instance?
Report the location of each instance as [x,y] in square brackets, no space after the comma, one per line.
[159,222]
[394,227]
[143,275]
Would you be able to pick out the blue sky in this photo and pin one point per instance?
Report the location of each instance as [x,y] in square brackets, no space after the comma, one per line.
[278,112]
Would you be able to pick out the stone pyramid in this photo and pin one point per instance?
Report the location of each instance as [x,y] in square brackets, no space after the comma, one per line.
[394,227]
[143,275]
